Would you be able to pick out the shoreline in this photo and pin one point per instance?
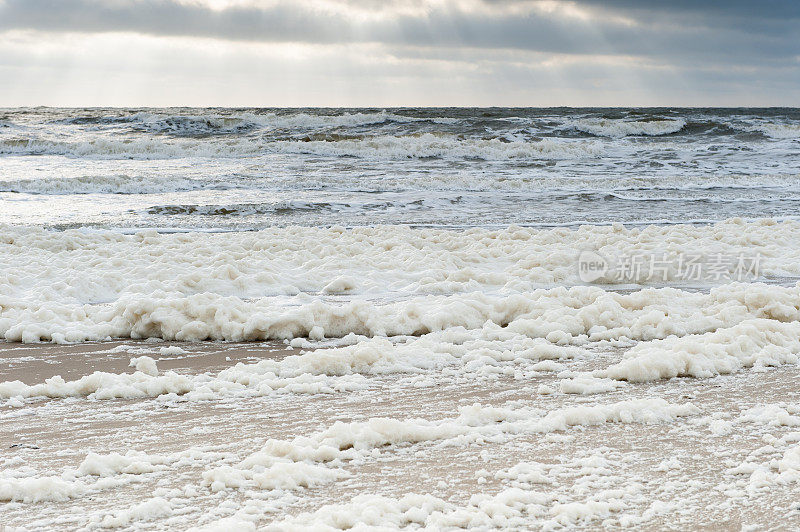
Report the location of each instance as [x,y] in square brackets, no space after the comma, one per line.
[37,362]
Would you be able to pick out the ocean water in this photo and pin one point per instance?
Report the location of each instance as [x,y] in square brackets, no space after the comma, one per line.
[246,169]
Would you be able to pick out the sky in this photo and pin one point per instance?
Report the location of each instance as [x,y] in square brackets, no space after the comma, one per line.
[372,53]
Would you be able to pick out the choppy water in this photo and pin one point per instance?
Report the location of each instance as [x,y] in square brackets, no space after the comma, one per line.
[213,169]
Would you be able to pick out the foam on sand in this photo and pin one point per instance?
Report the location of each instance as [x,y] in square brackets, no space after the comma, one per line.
[272,284]
[752,342]
[103,385]
[559,315]
[346,441]
[38,489]
[246,380]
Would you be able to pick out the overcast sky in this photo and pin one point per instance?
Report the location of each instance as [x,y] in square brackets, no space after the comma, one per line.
[401,53]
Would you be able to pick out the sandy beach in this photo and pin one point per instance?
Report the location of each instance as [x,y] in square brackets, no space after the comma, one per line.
[153,460]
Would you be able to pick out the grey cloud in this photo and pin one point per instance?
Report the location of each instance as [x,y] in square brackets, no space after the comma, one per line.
[682,31]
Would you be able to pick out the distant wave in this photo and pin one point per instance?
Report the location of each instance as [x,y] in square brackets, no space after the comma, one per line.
[191,125]
[377,147]
[217,122]
[223,124]
[305,120]
[623,128]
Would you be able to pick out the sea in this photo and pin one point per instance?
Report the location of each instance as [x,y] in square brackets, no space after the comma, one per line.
[222,169]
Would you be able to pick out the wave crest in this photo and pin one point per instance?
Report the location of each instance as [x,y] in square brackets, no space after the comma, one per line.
[190,125]
[778,131]
[601,127]
[381,147]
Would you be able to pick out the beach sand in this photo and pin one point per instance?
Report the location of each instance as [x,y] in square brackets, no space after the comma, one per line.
[680,470]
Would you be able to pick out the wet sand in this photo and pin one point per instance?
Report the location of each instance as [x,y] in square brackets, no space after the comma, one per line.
[31,363]
[55,435]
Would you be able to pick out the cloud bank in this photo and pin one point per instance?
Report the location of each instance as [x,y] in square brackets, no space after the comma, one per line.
[416,52]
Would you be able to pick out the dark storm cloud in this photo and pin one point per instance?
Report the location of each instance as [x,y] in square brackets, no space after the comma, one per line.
[710,10]
[679,32]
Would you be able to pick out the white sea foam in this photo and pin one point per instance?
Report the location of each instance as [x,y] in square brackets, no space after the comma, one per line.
[102,385]
[729,328]
[74,286]
[347,441]
[765,342]
[506,509]
[243,380]
[102,266]
[148,510]
[643,188]
[559,315]
[38,489]
[104,184]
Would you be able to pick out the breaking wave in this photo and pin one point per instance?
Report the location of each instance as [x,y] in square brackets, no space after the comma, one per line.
[310,121]
[190,125]
[382,147]
[778,131]
[623,128]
